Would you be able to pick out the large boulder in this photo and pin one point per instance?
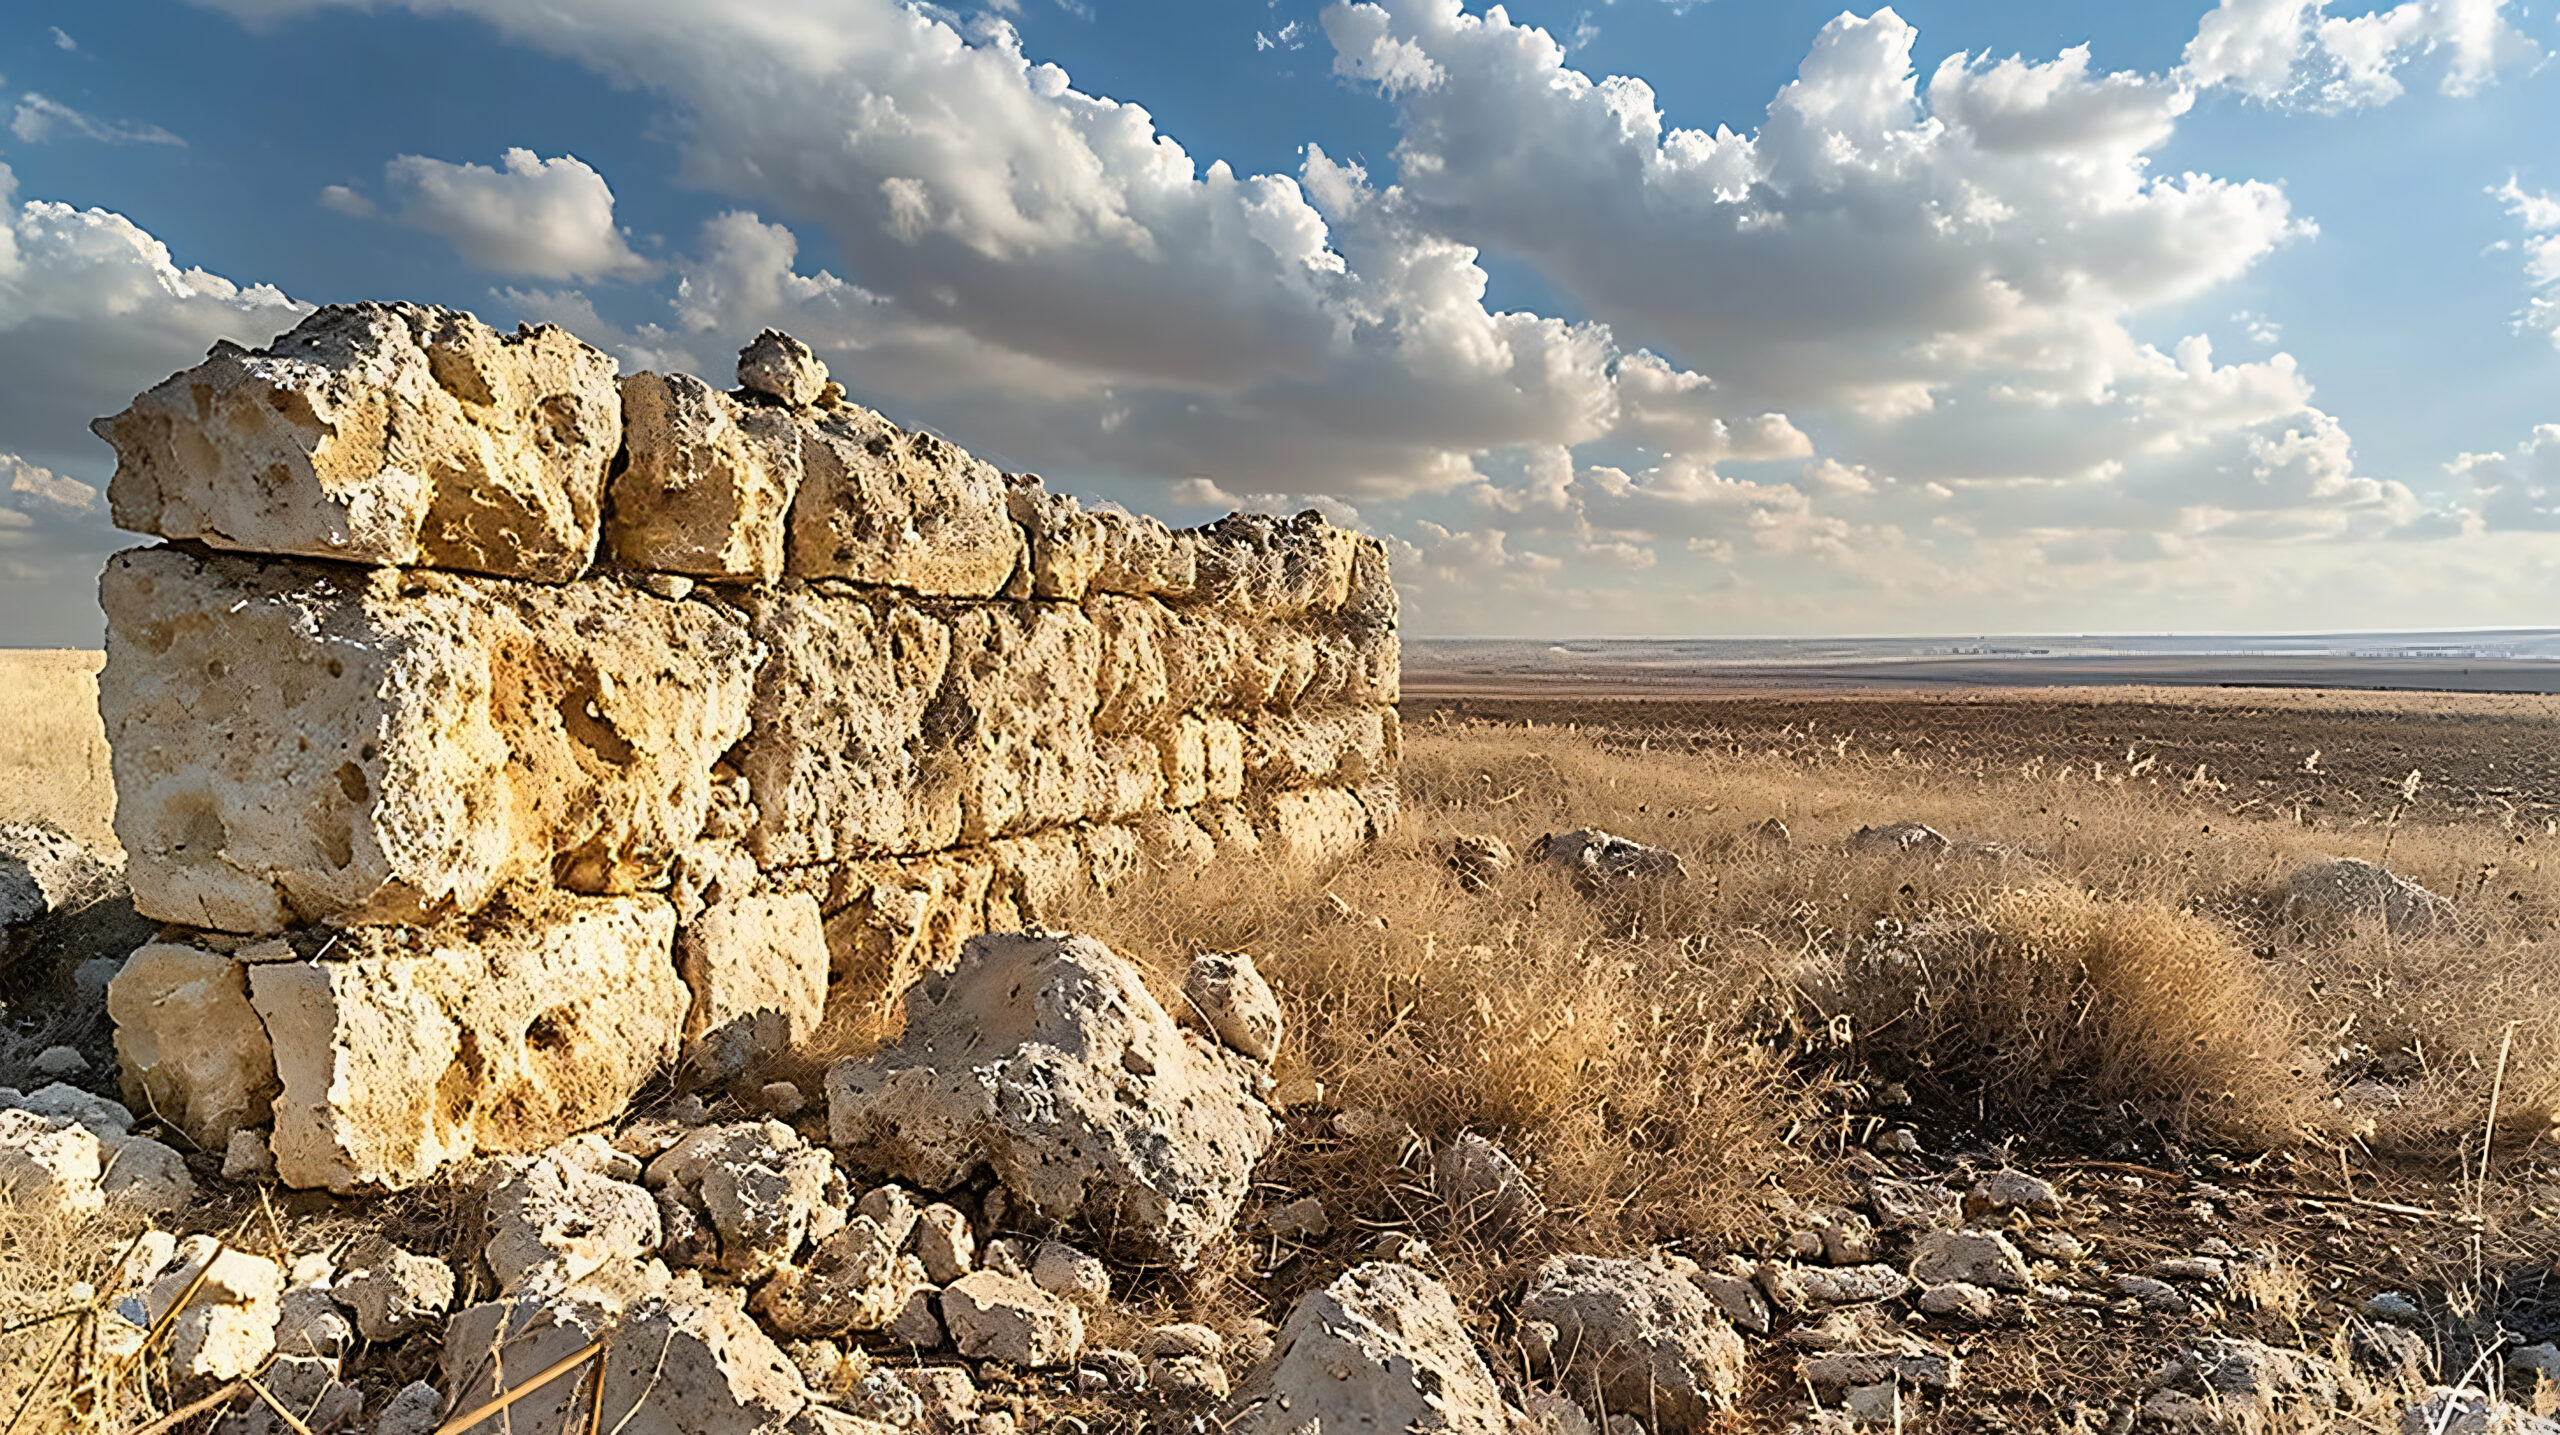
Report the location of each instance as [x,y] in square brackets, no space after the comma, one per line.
[402,1050]
[298,743]
[1641,1336]
[1381,1351]
[2340,890]
[1046,1059]
[380,434]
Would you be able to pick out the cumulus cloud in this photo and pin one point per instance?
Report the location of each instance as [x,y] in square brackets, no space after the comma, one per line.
[2516,491]
[2538,212]
[92,311]
[533,218]
[42,121]
[2293,52]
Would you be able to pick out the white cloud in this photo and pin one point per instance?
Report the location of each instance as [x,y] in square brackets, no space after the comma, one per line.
[2293,52]
[92,311]
[41,121]
[2518,491]
[62,41]
[2538,211]
[535,218]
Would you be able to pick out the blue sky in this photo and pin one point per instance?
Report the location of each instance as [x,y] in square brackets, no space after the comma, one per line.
[1632,317]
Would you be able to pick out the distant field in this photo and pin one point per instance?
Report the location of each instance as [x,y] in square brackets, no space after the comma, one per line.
[53,752]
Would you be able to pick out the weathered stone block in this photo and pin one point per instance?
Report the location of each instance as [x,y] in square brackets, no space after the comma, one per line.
[1222,759]
[904,510]
[1113,855]
[1257,565]
[407,1049]
[300,743]
[845,756]
[1331,749]
[891,922]
[708,484]
[1143,558]
[1014,719]
[1035,878]
[1316,826]
[1128,779]
[1130,691]
[191,1046]
[1066,543]
[1176,841]
[757,968]
[1183,751]
[381,434]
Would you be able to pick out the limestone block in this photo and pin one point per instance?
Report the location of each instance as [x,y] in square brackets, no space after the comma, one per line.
[1258,565]
[1182,751]
[903,510]
[1330,749]
[1113,856]
[1143,558]
[844,758]
[1225,990]
[757,967]
[1128,779]
[1638,1335]
[409,1049]
[1047,1059]
[1007,1319]
[1014,719]
[1066,542]
[299,743]
[1230,828]
[1175,841]
[890,923]
[707,486]
[380,434]
[1315,826]
[1377,675]
[392,1291]
[559,1219]
[49,1168]
[853,1281]
[191,1047]
[1129,685]
[1034,880]
[1291,656]
[1202,655]
[1221,759]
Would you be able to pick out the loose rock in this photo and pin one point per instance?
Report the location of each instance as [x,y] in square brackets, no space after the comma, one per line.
[1381,1349]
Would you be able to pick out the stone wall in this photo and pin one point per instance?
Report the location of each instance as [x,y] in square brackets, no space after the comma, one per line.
[498,733]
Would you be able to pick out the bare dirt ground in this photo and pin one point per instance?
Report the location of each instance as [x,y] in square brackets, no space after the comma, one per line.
[2320,757]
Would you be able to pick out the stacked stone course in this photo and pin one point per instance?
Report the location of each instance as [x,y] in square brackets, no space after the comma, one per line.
[499,734]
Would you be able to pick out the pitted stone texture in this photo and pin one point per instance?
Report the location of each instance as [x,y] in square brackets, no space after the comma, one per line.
[757,967]
[1232,999]
[557,1219]
[1342,749]
[889,923]
[297,743]
[1066,543]
[191,1047]
[882,506]
[1005,1318]
[1381,1351]
[781,367]
[682,1361]
[708,486]
[854,1281]
[387,434]
[766,1191]
[393,1292]
[409,1049]
[43,871]
[1316,827]
[849,719]
[1257,565]
[1641,1336]
[1014,719]
[1047,1059]
[63,1151]
[1143,558]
